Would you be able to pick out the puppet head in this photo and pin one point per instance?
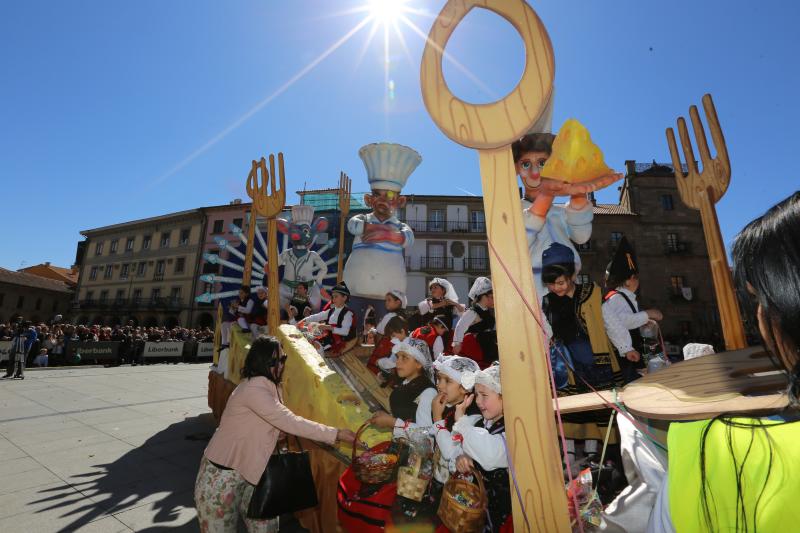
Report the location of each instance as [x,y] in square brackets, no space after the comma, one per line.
[303,228]
[388,167]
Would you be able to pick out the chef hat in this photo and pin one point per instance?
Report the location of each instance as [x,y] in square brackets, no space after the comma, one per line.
[489,377]
[416,348]
[389,165]
[400,295]
[481,286]
[455,366]
[302,214]
[449,290]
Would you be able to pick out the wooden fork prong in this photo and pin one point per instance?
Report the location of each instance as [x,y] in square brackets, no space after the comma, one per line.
[282,181]
[700,137]
[688,151]
[723,162]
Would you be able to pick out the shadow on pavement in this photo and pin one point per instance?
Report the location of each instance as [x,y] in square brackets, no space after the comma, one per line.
[149,488]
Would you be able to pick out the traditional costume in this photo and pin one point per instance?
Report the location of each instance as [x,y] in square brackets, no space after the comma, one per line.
[411,401]
[343,321]
[484,442]
[429,307]
[476,331]
[580,348]
[428,333]
[376,264]
[621,311]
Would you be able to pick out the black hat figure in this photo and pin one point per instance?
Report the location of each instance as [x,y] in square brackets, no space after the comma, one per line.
[341,288]
[624,264]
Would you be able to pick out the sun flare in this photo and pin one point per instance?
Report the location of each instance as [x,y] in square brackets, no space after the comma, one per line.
[386,11]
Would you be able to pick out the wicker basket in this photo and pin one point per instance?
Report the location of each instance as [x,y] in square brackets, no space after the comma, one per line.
[409,484]
[370,473]
[457,516]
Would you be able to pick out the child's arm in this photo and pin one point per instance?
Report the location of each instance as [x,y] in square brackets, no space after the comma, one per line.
[463,325]
[347,323]
[450,448]
[388,363]
[487,449]
[424,419]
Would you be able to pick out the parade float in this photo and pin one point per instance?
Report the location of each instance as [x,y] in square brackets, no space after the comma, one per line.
[341,391]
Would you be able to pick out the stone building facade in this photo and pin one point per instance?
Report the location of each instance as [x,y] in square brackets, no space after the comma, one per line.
[25,296]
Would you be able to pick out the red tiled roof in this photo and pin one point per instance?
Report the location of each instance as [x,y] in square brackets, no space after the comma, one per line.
[29,280]
[611,209]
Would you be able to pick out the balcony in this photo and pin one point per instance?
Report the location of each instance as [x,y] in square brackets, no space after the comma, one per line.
[430,264]
[477,264]
[451,226]
[678,248]
[158,277]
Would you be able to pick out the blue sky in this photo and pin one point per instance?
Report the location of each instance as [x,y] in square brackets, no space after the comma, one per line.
[113,111]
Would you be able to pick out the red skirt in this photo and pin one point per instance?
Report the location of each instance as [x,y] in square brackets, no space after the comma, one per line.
[470,348]
[368,514]
[381,350]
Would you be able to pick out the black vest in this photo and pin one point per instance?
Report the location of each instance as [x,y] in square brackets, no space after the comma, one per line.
[340,321]
[401,400]
[446,311]
[486,323]
[497,485]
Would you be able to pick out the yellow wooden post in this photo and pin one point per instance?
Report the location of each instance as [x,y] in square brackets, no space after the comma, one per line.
[344,210]
[491,128]
[701,190]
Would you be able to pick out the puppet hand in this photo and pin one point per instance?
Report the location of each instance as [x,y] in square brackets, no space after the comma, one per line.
[437,407]
[633,356]
[464,464]
[555,187]
[461,408]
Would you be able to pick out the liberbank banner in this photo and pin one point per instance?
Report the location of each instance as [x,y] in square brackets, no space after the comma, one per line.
[101,351]
[155,350]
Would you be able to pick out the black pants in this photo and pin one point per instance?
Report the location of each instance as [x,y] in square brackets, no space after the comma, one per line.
[15,368]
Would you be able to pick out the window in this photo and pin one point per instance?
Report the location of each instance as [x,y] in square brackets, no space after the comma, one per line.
[155,294]
[137,295]
[616,236]
[180,265]
[129,244]
[218,227]
[175,295]
[676,282]
[184,237]
[109,271]
[585,247]
[89,296]
[583,279]
[165,239]
[160,267]
[210,268]
[666,202]
[478,257]
[38,304]
[93,273]
[103,296]
[123,273]
[672,242]
[436,256]
[436,221]
[114,245]
[477,222]
[400,213]
[238,222]
[98,248]
[120,297]
[142,269]
[146,242]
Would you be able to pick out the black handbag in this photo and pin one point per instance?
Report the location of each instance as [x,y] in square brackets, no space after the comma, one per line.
[286,486]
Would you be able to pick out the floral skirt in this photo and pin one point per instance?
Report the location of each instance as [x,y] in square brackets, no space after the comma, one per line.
[221,496]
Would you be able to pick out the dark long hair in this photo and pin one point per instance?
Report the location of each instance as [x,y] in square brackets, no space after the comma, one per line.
[263,359]
[766,258]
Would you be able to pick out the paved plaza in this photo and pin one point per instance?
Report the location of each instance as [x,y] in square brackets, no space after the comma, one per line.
[102,449]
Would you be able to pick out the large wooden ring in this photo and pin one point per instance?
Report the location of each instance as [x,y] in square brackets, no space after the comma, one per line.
[487,126]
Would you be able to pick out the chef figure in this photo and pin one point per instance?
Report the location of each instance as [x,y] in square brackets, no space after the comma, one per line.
[376,264]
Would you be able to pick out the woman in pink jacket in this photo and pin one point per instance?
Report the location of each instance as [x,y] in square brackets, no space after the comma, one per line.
[238,452]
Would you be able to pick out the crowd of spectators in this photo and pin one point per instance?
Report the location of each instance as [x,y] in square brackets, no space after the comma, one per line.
[52,341]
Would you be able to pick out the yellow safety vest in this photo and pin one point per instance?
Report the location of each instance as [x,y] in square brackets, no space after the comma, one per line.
[770,494]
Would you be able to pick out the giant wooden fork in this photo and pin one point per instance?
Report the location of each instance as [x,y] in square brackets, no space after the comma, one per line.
[491,128]
[701,190]
[344,210]
[268,203]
